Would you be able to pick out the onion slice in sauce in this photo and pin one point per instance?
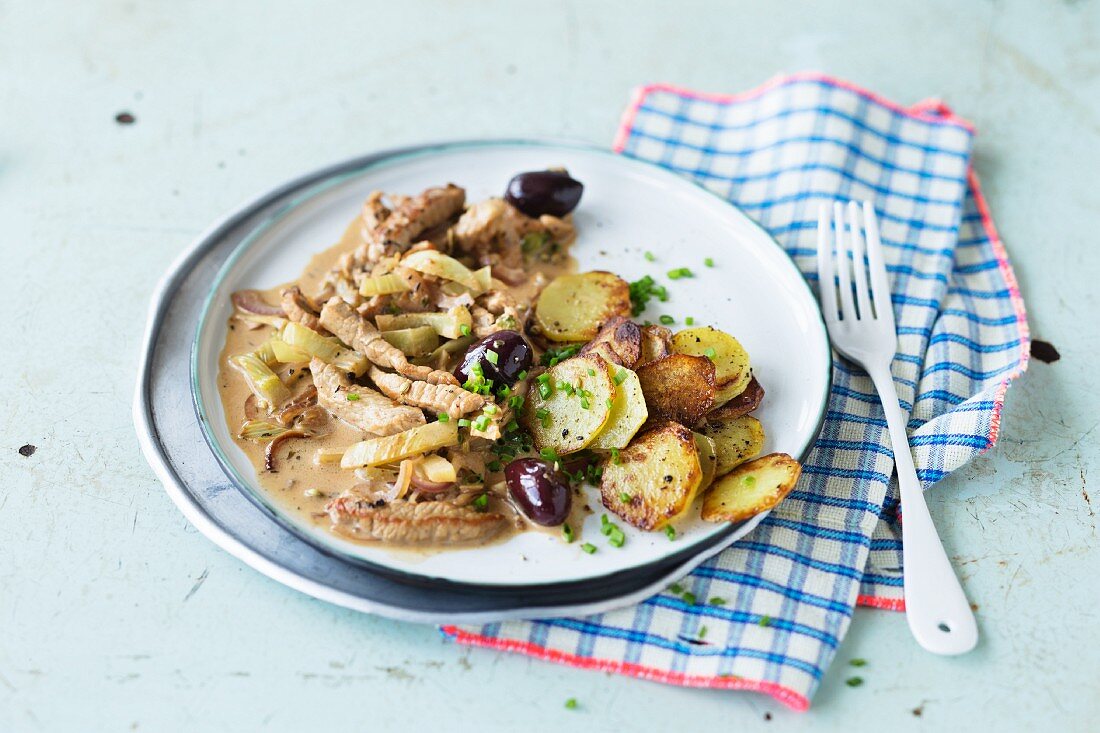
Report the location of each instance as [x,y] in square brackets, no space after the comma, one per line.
[252,301]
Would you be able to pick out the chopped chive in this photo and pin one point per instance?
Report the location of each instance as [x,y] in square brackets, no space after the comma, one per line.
[516,402]
[667,320]
[608,402]
[584,402]
[748,481]
[589,548]
[676,588]
[567,533]
[670,532]
[591,372]
[492,356]
[689,598]
[710,353]
[463,422]
[604,519]
[494,466]
[689,321]
[650,257]
[716,601]
[702,632]
[854,681]
[353,397]
[616,538]
[543,378]
[522,375]
[542,412]
[549,454]
[620,376]
[545,390]
[464,329]
[443,417]
[709,262]
[615,456]
[490,409]
[571,704]
[625,497]
[680,272]
[765,621]
[858,662]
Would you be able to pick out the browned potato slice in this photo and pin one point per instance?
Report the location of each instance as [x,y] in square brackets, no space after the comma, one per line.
[679,387]
[575,307]
[570,418]
[736,441]
[656,344]
[708,459]
[751,488]
[732,371]
[742,404]
[628,412]
[655,478]
[619,341]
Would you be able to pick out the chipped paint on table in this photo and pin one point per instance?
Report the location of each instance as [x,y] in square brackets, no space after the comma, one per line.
[128,128]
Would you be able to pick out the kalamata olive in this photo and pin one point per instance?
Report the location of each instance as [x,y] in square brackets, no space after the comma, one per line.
[539,491]
[502,356]
[544,192]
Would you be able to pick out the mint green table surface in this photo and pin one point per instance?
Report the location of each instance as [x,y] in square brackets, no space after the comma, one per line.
[116,615]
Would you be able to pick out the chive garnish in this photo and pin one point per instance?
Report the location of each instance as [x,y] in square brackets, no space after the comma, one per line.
[670,532]
[443,417]
[667,320]
[571,704]
[567,533]
[689,321]
[492,356]
[620,377]
[854,681]
[680,272]
[353,397]
[765,621]
[464,329]
[710,353]
[463,422]
[709,262]
[650,257]
[589,548]
[716,601]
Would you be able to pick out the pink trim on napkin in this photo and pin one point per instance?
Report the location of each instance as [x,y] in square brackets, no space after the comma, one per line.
[788,697]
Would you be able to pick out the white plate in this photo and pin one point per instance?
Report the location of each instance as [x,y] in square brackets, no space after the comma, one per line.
[754,291]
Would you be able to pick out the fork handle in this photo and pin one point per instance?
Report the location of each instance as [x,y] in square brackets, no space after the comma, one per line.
[936,607]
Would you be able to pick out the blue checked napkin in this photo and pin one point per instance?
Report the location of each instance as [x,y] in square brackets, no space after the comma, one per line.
[790,586]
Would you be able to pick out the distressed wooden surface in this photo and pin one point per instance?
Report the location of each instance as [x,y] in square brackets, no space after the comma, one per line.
[116,615]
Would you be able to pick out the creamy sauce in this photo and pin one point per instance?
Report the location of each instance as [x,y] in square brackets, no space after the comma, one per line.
[301,485]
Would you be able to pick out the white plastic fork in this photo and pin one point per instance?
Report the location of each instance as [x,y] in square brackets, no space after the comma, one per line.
[863,330]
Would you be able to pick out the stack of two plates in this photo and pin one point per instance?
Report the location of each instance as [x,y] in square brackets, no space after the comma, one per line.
[629,207]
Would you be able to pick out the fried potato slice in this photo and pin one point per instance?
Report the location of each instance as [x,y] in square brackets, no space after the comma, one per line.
[679,387]
[628,411]
[735,441]
[575,307]
[656,344]
[732,370]
[581,396]
[708,459]
[751,488]
[742,404]
[655,479]
[619,341]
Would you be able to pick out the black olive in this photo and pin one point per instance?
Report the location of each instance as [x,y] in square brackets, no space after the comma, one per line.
[502,356]
[544,192]
[540,491]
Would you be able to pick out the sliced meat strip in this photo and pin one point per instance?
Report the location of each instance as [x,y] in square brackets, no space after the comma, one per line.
[300,309]
[386,231]
[356,331]
[369,411]
[447,398]
[429,522]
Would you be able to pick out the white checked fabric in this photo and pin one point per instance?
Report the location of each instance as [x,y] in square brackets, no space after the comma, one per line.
[783,596]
